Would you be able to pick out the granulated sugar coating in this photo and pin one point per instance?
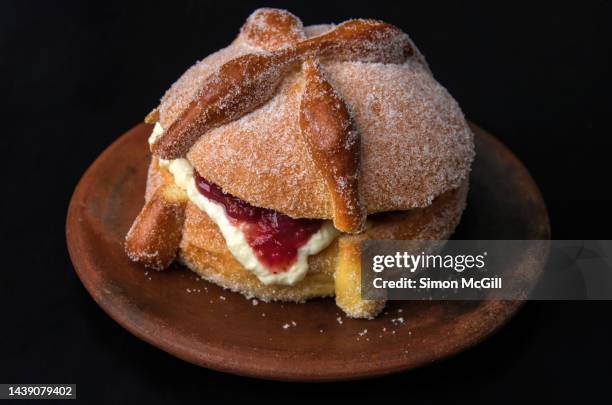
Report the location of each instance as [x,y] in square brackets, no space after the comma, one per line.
[184,90]
[415,142]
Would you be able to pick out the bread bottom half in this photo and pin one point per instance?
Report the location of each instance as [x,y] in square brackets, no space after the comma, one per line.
[333,272]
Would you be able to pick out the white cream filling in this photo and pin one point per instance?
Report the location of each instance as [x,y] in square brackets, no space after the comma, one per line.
[157,132]
[237,244]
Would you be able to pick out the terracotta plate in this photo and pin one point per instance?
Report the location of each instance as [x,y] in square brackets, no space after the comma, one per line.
[203,324]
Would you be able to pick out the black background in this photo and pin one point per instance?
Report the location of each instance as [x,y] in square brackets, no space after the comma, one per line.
[74,76]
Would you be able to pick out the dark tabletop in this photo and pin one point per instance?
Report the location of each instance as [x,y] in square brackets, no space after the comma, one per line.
[74,76]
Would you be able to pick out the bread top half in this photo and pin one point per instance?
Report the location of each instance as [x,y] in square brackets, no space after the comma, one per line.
[415,143]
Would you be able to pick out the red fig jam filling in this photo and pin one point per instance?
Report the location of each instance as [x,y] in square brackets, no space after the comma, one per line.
[274,237]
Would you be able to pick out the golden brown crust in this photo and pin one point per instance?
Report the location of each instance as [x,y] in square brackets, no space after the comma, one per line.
[361,40]
[348,280]
[334,146]
[152,117]
[154,237]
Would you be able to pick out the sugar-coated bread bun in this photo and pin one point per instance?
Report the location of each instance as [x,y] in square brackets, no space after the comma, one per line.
[342,122]
[415,142]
